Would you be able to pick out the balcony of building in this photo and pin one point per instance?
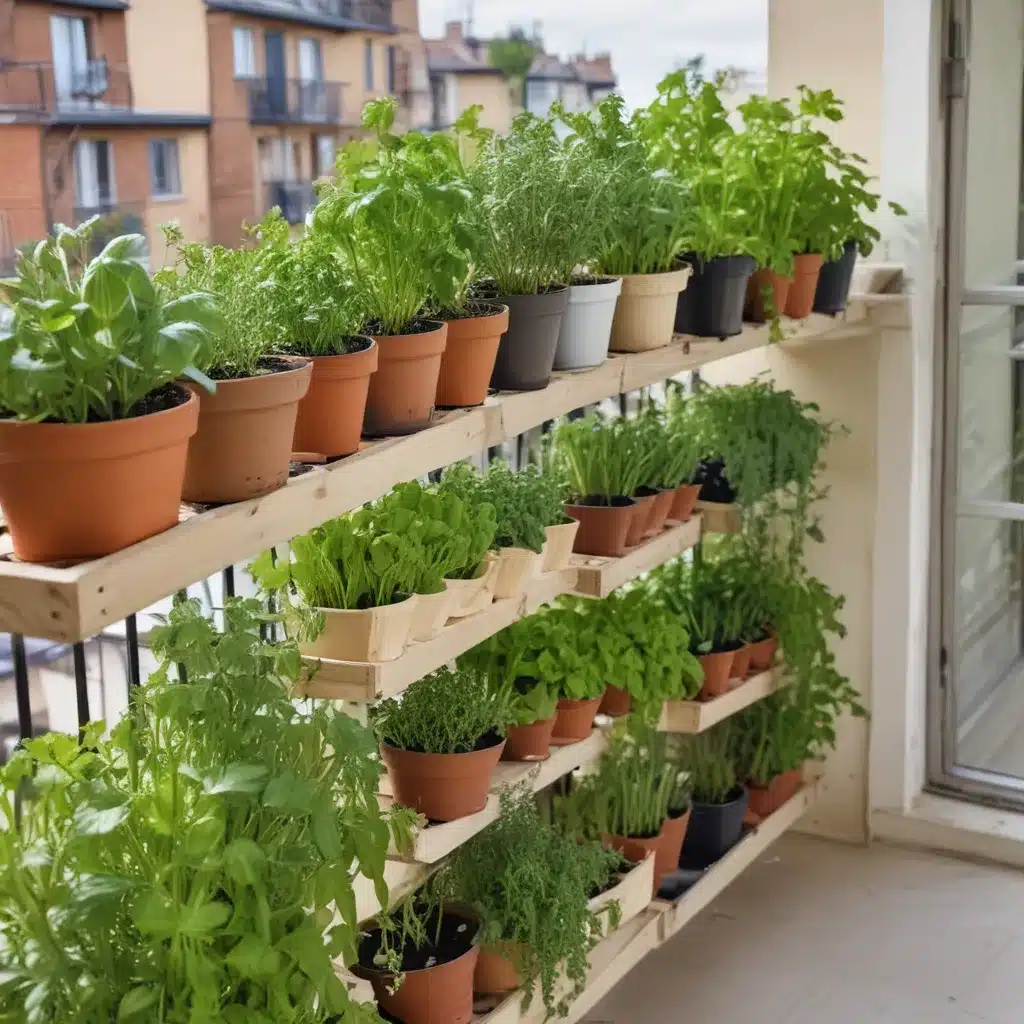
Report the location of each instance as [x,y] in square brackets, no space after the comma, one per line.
[293,101]
[87,91]
[343,15]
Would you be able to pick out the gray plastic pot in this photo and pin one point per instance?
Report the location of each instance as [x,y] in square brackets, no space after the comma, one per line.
[587,324]
[526,354]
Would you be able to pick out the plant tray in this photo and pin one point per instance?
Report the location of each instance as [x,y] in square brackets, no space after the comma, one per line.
[719,517]
[690,716]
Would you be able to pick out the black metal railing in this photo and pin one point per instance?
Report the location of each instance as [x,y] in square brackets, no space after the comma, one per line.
[295,198]
[291,100]
[38,89]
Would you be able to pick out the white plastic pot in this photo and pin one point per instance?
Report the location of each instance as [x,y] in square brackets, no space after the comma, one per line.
[587,325]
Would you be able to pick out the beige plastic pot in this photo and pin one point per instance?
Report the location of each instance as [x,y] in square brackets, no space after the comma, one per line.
[432,612]
[364,634]
[646,311]
[516,567]
[558,546]
[472,596]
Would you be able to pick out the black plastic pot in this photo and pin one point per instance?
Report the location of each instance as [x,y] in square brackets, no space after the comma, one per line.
[713,831]
[714,484]
[527,350]
[834,282]
[712,304]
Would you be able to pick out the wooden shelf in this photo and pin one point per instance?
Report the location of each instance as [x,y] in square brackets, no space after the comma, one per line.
[71,604]
[691,716]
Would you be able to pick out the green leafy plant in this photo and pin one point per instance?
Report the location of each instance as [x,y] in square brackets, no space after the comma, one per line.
[199,864]
[90,341]
[679,454]
[600,459]
[709,761]
[772,737]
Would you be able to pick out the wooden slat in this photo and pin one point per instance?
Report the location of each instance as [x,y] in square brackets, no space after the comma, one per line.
[719,517]
[691,716]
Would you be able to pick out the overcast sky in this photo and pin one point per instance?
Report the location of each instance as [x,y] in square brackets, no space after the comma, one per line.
[646,38]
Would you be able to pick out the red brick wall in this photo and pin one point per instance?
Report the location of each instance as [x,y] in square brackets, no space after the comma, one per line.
[21,193]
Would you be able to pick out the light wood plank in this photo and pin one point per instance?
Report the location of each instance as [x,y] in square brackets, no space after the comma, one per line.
[692,716]
[719,517]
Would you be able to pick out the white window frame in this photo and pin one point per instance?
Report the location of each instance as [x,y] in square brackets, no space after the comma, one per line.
[173,161]
[69,46]
[368,58]
[87,183]
[243,46]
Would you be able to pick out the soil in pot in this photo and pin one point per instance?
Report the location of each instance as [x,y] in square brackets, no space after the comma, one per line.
[659,510]
[558,546]
[714,829]
[401,395]
[529,742]
[712,304]
[365,634]
[765,800]
[526,354]
[717,667]
[636,848]
[604,524]
[468,360]
[587,324]
[834,281]
[800,300]
[646,310]
[496,971]
[714,485]
[330,416]
[574,721]
[443,787]
[76,491]
[762,653]
[683,502]
[757,309]
[643,502]
[615,703]
[740,670]
[673,833]
[441,993]
[243,446]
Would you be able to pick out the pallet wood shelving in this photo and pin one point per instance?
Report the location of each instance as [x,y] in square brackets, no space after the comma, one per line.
[691,716]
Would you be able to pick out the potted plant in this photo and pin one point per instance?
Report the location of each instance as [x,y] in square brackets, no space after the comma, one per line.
[681,454]
[650,451]
[95,429]
[391,217]
[442,741]
[773,744]
[243,446]
[530,885]
[199,861]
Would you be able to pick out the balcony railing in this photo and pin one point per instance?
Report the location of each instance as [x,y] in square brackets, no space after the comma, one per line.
[295,198]
[280,101]
[36,90]
[344,13]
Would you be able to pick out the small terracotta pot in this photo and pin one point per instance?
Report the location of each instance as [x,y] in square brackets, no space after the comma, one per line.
[431,613]
[659,510]
[468,360]
[74,491]
[717,667]
[765,800]
[574,720]
[756,309]
[800,300]
[364,634]
[646,311]
[635,850]
[641,517]
[529,742]
[516,568]
[603,528]
[740,664]
[495,972]
[673,835]
[683,501]
[472,596]
[401,395]
[615,703]
[243,446]
[330,417]
[442,787]
[558,546]
[762,653]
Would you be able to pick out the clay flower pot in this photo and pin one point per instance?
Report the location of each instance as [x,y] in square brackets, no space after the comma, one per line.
[615,703]
[243,446]
[765,800]
[717,667]
[473,595]
[740,669]
[431,613]
[526,354]
[756,310]
[683,501]
[642,502]
[529,742]
[646,311]
[711,306]
[762,653]
[558,546]
[330,419]
[603,528]
[574,721]
[673,835]
[587,324]
[516,568]
[442,787]
[468,360]
[833,291]
[401,395]
[495,971]
[659,510]
[72,491]
[800,300]
[364,634]
[635,849]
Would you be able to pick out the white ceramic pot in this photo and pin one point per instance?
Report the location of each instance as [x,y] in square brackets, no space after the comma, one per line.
[558,546]
[587,325]
[516,567]
[364,634]
[645,315]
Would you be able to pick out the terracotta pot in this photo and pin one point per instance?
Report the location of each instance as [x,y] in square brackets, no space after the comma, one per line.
[615,703]
[641,517]
[574,721]
[330,418]
[762,653]
[364,634]
[472,596]
[468,360]
[526,354]
[529,742]
[442,787]
[516,568]
[717,667]
[635,850]
[765,800]
[431,613]
[603,528]
[800,300]
[243,446]
[558,546]
[75,491]
[659,510]
[756,309]
[683,501]
[646,310]
[740,664]
[401,396]
[673,834]
[495,972]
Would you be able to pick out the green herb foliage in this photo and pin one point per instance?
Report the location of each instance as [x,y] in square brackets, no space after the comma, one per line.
[709,760]
[599,458]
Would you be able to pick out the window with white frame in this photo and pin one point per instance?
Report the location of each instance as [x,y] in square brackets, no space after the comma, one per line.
[325,150]
[164,168]
[245,53]
[69,44]
[368,64]
[94,175]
